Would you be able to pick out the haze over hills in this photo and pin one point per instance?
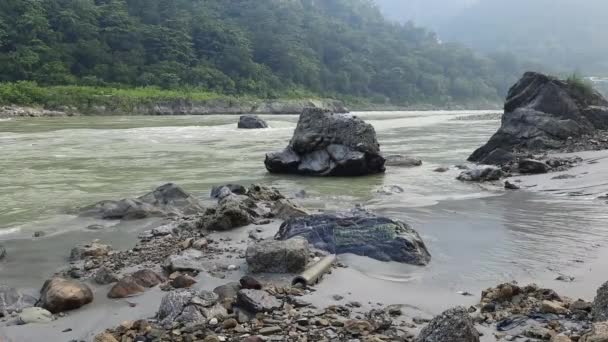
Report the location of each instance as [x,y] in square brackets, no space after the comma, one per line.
[565,35]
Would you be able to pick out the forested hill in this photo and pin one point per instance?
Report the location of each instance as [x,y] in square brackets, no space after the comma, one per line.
[256,47]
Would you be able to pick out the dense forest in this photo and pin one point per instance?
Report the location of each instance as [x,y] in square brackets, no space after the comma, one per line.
[564,35]
[265,48]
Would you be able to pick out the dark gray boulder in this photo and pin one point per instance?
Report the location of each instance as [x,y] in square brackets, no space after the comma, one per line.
[360,233]
[13,300]
[481,174]
[543,113]
[531,166]
[600,304]
[165,200]
[453,325]
[221,191]
[329,144]
[251,122]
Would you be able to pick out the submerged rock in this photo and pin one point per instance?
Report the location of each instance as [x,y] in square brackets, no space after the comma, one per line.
[58,295]
[481,174]
[222,191]
[403,161]
[290,256]
[329,144]
[251,122]
[544,113]
[454,325]
[360,233]
[531,166]
[165,200]
[2,252]
[13,300]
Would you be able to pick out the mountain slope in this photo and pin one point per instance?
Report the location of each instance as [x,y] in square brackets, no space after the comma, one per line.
[266,48]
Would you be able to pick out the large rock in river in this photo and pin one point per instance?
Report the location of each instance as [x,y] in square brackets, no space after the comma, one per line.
[360,233]
[543,113]
[165,200]
[329,144]
[251,122]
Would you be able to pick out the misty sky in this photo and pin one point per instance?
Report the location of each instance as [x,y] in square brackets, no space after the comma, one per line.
[429,13]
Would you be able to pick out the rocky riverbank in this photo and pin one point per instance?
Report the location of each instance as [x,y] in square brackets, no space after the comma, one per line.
[179,107]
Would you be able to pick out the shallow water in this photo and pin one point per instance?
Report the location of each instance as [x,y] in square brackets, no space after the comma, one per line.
[478,234]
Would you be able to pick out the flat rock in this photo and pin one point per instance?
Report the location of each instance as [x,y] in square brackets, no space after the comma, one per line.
[271,256]
[59,294]
[403,161]
[454,325]
[257,301]
[359,232]
[35,315]
[188,260]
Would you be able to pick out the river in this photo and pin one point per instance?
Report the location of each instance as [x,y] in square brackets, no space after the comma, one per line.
[479,235]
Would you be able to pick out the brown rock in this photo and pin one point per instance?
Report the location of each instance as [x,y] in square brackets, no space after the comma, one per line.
[250,283]
[549,306]
[126,287]
[560,338]
[358,327]
[148,278]
[252,339]
[183,281]
[59,294]
[598,333]
[230,323]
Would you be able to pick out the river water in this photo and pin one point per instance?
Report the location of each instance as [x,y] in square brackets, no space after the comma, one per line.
[478,235]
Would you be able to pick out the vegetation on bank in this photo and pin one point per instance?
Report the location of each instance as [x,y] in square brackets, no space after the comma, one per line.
[263,49]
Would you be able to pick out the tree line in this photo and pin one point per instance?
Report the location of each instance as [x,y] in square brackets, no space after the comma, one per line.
[243,47]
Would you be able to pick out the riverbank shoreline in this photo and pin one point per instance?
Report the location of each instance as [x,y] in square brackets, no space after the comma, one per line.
[420,302]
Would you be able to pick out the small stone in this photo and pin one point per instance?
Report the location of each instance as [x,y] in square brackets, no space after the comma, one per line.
[213,322]
[270,330]
[337,297]
[250,283]
[39,234]
[230,323]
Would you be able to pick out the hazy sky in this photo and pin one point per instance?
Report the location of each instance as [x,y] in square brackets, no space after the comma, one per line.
[430,13]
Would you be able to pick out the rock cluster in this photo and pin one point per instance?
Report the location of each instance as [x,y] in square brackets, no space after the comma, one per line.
[165,200]
[329,144]
[544,113]
[359,232]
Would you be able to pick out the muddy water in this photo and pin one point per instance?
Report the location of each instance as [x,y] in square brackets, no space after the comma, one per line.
[478,234]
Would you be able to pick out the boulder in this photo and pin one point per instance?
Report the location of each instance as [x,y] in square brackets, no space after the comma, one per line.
[481,174]
[93,249]
[329,144]
[271,256]
[531,166]
[454,325]
[104,276]
[543,113]
[403,161]
[13,300]
[58,295]
[35,315]
[188,261]
[598,333]
[126,287]
[251,122]
[188,306]
[165,200]
[250,283]
[182,281]
[359,232]
[148,278]
[599,309]
[227,291]
[257,301]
